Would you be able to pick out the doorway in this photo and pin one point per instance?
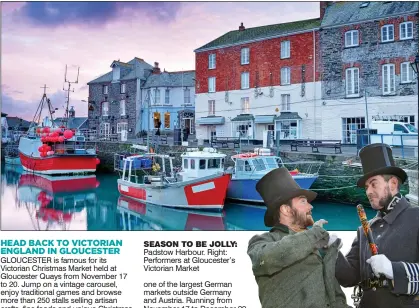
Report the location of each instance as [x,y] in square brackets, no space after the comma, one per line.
[188,122]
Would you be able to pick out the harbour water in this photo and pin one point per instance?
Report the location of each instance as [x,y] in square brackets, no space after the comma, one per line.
[36,202]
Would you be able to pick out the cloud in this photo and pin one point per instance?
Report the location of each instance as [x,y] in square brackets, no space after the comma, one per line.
[17,108]
[54,14]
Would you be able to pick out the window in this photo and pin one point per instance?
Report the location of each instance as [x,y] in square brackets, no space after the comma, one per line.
[285,49]
[121,126]
[187,96]
[156,119]
[167,97]
[211,61]
[406,72]
[122,107]
[185,163]
[245,105]
[285,76]
[271,127]
[214,163]
[406,30]
[148,98]
[105,89]
[350,127]
[388,79]
[211,107]
[211,84]
[245,56]
[352,82]
[288,129]
[400,128]
[156,96]
[245,80]
[202,163]
[387,33]
[192,163]
[352,38]
[105,109]
[285,102]
[123,86]
[167,120]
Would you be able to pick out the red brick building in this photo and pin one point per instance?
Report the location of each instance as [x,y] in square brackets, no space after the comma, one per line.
[255,79]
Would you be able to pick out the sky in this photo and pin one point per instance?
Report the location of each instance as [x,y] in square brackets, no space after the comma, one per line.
[38,40]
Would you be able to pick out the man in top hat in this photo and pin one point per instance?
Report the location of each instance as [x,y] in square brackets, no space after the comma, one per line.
[289,264]
[390,278]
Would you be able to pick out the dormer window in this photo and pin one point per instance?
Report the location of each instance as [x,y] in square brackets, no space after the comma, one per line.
[116,73]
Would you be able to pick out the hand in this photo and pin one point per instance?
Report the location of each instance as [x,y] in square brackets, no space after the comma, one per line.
[333,238]
[320,223]
[380,264]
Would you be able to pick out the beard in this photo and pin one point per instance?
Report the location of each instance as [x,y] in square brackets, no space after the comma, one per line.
[303,220]
[384,201]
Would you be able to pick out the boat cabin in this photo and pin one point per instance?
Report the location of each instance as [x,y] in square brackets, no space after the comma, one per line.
[256,163]
[197,164]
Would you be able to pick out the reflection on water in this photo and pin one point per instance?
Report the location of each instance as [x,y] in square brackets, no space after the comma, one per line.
[39,202]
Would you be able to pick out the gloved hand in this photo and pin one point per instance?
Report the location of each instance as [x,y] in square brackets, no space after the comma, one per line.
[320,222]
[333,238]
[380,264]
[325,235]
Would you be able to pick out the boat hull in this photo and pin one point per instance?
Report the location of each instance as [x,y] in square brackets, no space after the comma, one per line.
[55,164]
[245,189]
[207,193]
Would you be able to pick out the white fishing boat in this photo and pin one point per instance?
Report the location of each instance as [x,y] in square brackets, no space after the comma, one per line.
[201,183]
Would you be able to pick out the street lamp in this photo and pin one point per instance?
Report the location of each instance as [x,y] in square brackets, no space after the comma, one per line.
[415,65]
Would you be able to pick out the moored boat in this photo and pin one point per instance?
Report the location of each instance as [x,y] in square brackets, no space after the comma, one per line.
[200,184]
[250,167]
[50,148]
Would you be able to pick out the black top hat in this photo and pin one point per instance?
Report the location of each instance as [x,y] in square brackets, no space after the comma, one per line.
[276,188]
[377,159]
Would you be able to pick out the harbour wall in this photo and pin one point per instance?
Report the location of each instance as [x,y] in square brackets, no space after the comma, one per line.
[336,182]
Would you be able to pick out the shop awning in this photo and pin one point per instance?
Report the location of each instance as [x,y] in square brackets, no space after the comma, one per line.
[264,119]
[288,116]
[243,117]
[211,120]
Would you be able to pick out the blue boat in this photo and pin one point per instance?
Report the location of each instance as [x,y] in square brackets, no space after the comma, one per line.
[249,168]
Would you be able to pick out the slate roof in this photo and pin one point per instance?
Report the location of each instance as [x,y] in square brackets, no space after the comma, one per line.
[171,79]
[72,122]
[243,117]
[237,37]
[138,67]
[14,122]
[288,116]
[344,12]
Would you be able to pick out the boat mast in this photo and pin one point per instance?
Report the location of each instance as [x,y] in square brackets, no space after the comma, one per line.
[65,120]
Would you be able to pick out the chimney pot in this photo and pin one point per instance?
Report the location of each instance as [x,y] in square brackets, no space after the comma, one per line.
[241,28]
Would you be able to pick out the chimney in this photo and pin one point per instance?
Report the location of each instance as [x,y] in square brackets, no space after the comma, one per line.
[323,7]
[156,69]
[241,28]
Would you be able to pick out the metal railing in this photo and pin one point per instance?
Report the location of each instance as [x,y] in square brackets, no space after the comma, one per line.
[403,145]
